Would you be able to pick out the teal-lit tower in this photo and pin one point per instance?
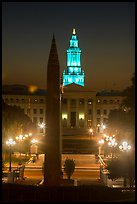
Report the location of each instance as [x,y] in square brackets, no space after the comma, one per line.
[74,73]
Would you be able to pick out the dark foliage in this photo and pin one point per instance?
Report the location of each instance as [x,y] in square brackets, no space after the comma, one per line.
[122,121]
[69,167]
[124,166]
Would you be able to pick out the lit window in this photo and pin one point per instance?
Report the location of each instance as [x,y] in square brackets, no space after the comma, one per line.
[81,116]
[64,116]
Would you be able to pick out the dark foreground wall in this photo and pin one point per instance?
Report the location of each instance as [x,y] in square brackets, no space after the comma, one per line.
[24,193]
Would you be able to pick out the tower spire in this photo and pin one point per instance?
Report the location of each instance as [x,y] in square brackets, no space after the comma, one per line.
[74,73]
[74,31]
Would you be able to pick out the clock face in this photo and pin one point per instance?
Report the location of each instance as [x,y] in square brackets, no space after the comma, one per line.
[75,43]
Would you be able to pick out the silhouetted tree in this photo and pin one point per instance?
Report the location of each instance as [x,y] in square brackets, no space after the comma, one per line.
[129,92]
[69,167]
[129,106]
[113,166]
[14,122]
[122,121]
[124,166]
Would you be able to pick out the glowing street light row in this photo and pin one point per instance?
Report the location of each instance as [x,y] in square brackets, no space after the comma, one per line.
[23,137]
[20,138]
[112,142]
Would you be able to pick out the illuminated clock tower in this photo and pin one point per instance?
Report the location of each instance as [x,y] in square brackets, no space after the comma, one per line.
[74,73]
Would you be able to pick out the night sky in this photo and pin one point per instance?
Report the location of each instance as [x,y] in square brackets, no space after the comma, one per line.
[106,34]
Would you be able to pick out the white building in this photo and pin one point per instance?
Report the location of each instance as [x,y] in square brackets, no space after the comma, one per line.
[80,109]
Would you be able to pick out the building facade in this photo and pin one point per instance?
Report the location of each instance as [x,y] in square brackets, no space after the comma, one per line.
[81,109]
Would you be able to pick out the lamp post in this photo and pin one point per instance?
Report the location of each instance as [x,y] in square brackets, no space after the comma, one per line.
[34,141]
[90,132]
[10,143]
[20,138]
[112,143]
[98,128]
[125,147]
[34,147]
[101,142]
[42,127]
[102,128]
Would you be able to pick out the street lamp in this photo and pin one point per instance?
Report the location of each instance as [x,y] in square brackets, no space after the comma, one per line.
[90,132]
[106,137]
[20,138]
[124,146]
[103,127]
[112,143]
[34,147]
[42,127]
[101,142]
[10,143]
[98,126]
[34,141]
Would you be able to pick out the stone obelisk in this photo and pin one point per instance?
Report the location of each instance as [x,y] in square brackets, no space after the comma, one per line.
[52,170]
